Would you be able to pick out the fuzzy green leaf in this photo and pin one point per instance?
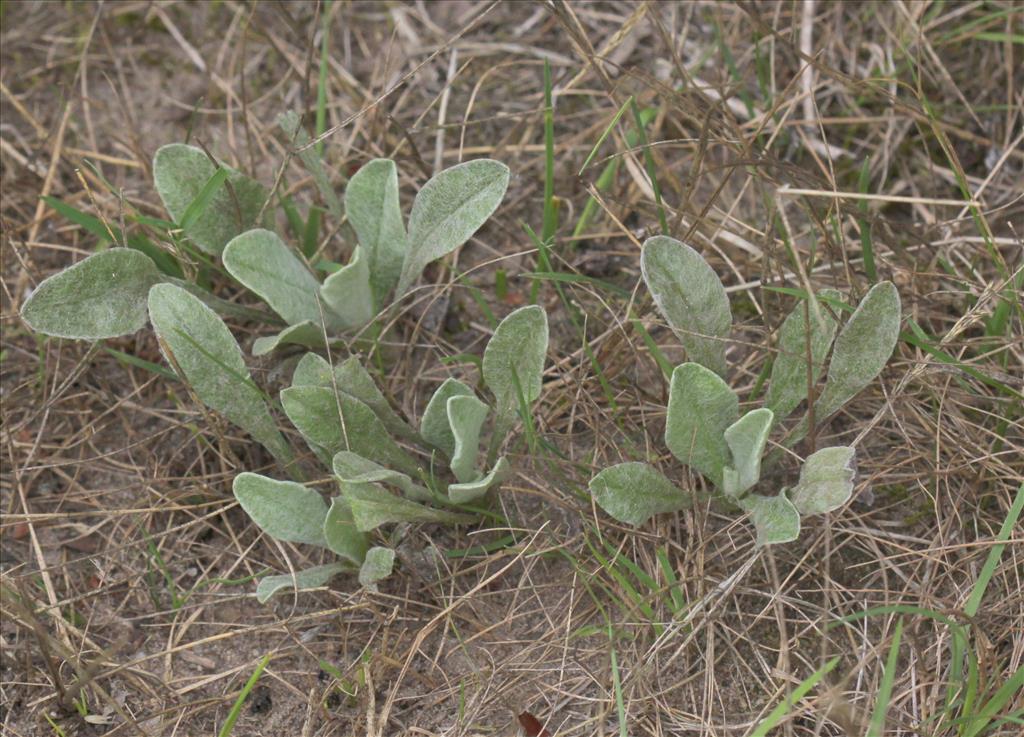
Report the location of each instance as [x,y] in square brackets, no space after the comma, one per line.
[202,350]
[466,416]
[700,408]
[310,578]
[102,296]
[261,261]
[180,172]
[634,492]
[466,492]
[373,506]
[312,370]
[373,209]
[448,210]
[515,355]
[314,411]
[304,333]
[826,481]
[283,509]
[690,297]
[862,349]
[378,565]
[746,439]
[435,427]
[347,292]
[354,469]
[809,327]
[774,517]
[340,533]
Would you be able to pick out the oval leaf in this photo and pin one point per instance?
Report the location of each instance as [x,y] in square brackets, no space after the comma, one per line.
[435,427]
[311,578]
[102,296]
[340,533]
[634,492]
[466,416]
[746,439]
[808,329]
[466,492]
[283,509]
[373,506]
[347,292]
[341,422]
[180,173]
[261,261]
[202,350]
[378,565]
[826,481]
[700,408]
[373,209]
[514,357]
[448,210]
[862,349]
[775,518]
[690,297]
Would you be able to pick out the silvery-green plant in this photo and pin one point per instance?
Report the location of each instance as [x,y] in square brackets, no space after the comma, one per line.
[220,213]
[704,428]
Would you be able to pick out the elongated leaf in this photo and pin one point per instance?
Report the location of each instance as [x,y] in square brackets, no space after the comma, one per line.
[862,349]
[340,533]
[466,416]
[826,481]
[448,210]
[282,509]
[289,122]
[102,296]
[314,411]
[180,172]
[435,427]
[261,261]
[378,565]
[515,356]
[690,297]
[304,333]
[700,408]
[808,329]
[348,292]
[203,352]
[373,208]
[373,506]
[634,492]
[466,492]
[746,439]
[310,578]
[774,517]
[354,469]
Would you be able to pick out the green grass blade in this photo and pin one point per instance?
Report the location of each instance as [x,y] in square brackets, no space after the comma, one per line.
[783,708]
[550,223]
[604,135]
[198,206]
[995,554]
[649,165]
[877,724]
[236,709]
[866,244]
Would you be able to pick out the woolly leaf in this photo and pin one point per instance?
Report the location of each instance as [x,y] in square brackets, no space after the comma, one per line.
[690,297]
[354,469]
[466,492]
[634,492]
[180,173]
[435,427]
[466,416]
[448,210]
[809,327]
[340,533]
[312,370]
[746,439]
[347,292]
[378,565]
[310,578]
[305,334]
[373,506]
[202,350]
[102,296]
[700,408]
[373,209]
[862,349]
[283,509]
[341,422]
[826,481]
[514,357]
[775,518]
[261,261]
